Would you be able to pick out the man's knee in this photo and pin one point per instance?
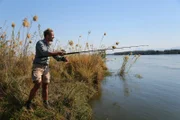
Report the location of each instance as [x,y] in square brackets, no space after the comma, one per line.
[46,76]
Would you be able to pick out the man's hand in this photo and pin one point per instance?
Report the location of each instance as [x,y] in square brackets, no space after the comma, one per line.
[66,60]
[61,53]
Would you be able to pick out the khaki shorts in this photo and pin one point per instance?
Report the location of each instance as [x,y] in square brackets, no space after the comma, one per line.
[40,73]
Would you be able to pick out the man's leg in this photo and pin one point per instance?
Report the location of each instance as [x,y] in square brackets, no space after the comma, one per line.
[32,94]
[45,91]
[45,95]
[37,72]
[45,82]
[34,91]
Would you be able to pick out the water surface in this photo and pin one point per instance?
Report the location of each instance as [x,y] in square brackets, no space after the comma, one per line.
[156,96]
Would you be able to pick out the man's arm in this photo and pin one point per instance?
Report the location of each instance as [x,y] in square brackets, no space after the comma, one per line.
[55,53]
[44,52]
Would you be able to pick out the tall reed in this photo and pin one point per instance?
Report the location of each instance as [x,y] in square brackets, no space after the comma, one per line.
[72,84]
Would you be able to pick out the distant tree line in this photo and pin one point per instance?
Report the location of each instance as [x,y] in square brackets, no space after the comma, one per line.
[149,52]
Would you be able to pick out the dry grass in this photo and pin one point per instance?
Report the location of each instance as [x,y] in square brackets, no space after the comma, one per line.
[128,62]
[72,85]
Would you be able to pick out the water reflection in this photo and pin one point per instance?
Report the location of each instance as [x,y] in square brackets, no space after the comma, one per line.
[126,88]
[154,96]
[125,84]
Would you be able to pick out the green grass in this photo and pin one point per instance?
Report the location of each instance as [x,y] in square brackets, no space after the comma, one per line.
[72,86]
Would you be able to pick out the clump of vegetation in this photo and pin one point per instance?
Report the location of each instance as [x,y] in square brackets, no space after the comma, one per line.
[72,84]
[127,64]
[138,76]
[123,67]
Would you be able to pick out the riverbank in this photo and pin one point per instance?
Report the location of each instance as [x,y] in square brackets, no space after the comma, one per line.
[72,86]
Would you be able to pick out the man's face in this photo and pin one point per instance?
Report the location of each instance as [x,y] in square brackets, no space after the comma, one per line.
[51,36]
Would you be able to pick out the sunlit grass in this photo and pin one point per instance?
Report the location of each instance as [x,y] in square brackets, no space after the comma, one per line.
[72,85]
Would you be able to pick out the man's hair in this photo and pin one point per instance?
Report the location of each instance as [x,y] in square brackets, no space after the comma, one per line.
[47,32]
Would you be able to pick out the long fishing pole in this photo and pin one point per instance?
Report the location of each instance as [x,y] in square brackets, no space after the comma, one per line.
[98,50]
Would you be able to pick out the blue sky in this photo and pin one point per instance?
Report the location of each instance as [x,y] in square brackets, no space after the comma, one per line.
[131,22]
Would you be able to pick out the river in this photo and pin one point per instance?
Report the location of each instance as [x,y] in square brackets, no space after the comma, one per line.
[155,96]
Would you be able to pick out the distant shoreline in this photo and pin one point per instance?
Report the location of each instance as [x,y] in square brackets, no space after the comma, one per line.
[149,52]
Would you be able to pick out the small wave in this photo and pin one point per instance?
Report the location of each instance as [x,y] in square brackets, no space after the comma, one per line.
[172,67]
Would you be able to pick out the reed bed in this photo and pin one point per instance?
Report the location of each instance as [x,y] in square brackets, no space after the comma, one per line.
[72,85]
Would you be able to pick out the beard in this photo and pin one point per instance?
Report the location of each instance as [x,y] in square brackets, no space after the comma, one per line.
[50,40]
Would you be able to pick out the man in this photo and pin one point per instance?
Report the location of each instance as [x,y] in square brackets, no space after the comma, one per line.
[40,70]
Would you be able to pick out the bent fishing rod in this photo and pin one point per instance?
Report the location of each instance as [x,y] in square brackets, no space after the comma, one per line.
[99,50]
